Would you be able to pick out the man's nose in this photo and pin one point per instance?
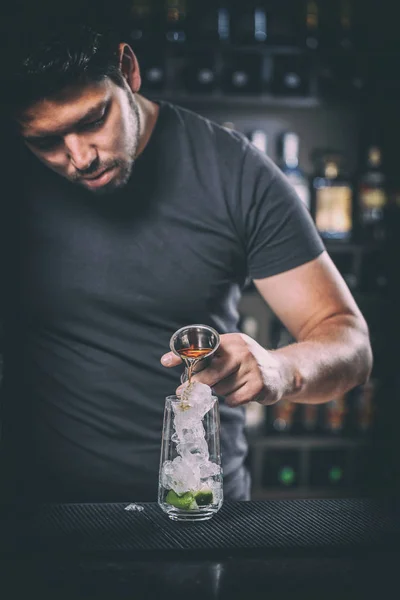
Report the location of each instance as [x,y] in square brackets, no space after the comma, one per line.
[81,154]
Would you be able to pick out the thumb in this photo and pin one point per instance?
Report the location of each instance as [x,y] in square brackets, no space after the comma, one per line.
[170,360]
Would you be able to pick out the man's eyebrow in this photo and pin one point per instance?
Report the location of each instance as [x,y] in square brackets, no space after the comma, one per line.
[93,112]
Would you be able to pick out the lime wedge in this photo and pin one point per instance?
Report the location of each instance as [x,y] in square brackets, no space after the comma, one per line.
[204,497]
[185,501]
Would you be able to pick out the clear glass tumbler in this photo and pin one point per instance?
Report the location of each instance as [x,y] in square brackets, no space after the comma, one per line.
[190,477]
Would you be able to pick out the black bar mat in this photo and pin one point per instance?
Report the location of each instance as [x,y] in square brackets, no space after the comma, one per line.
[270,525]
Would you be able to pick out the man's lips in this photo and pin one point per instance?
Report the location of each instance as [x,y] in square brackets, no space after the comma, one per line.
[95,176]
[99,180]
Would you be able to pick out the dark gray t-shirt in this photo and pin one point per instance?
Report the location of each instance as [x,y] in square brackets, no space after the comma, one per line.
[99,284]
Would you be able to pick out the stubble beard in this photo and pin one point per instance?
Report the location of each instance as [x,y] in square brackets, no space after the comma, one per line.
[125,167]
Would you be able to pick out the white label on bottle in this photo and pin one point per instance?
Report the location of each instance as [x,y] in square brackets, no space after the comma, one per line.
[333,210]
[303,193]
[372,198]
[259,139]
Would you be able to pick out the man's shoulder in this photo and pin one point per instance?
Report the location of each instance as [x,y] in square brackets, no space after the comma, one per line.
[192,123]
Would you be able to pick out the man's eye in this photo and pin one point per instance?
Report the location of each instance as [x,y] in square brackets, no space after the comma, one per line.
[46,143]
[93,124]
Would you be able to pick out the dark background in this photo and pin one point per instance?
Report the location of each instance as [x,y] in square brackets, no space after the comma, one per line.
[336,83]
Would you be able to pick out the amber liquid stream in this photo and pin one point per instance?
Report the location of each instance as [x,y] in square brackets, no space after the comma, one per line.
[191,357]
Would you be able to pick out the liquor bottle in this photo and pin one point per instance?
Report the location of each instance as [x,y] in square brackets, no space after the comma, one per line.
[255,413]
[393,209]
[143,20]
[312,25]
[209,22]
[288,152]
[372,196]
[342,76]
[328,468]
[310,418]
[199,73]
[152,68]
[281,469]
[336,22]
[245,73]
[345,38]
[333,199]
[284,20]
[254,417]
[176,20]
[291,75]
[259,139]
[366,406]
[282,415]
[249,23]
[335,413]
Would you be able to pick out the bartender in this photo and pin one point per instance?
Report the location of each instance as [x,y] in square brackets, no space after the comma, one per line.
[126,219]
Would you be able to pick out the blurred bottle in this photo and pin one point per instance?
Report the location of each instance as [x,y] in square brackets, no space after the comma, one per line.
[199,73]
[145,25]
[176,20]
[255,413]
[281,469]
[152,69]
[372,196]
[280,416]
[345,38]
[288,161]
[291,75]
[337,24]
[365,406]
[309,418]
[249,23]
[284,20]
[259,139]
[245,73]
[209,22]
[254,418]
[393,209]
[328,469]
[312,24]
[342,77]
[333,198]
[335,414]
[342,73]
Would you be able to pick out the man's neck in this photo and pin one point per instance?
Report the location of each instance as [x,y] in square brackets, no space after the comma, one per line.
[148,118]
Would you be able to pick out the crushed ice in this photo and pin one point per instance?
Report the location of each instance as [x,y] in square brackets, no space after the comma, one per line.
[192,468]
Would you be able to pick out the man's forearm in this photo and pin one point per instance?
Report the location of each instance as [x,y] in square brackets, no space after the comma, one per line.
[334,358]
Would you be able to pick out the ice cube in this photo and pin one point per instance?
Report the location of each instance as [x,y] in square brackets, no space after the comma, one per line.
[193,448]
[209,469]
[199,397]
[180,476]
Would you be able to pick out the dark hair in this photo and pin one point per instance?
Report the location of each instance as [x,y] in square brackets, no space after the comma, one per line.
[51,59]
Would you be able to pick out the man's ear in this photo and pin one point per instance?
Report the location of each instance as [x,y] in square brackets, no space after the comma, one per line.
[129,67]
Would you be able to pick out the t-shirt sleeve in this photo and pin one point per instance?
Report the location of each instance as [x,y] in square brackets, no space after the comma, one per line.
[279,233]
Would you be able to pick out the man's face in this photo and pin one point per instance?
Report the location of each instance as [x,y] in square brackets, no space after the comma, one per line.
[88,134]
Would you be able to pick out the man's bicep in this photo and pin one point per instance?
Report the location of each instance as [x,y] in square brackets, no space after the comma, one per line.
[304,297]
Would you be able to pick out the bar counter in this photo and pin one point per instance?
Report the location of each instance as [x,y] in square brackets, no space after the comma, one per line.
[300,548]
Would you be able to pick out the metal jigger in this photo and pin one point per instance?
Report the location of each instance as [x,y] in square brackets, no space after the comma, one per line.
[195,336]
